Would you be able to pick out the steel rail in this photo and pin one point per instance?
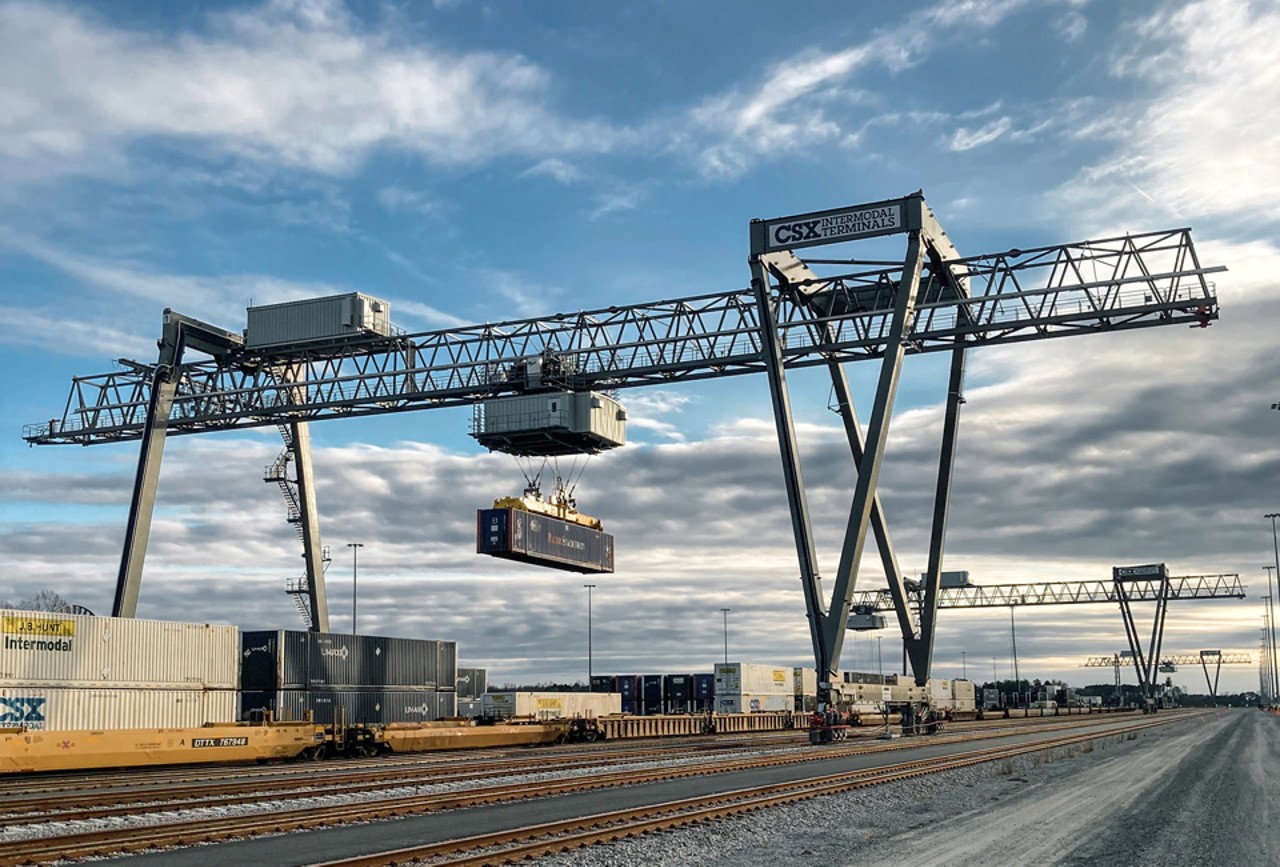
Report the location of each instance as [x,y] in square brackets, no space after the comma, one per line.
[100,842]
[556,837]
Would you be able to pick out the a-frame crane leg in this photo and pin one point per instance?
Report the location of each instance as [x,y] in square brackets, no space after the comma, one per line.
[164,388]
[888,556]
[1131,633]
[300,445]
[1211,684]
[837,621]
[771,352]
[920,649]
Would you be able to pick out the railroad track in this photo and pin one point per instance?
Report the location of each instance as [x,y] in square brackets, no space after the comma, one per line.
[534,841]
[133,839]
[324,782]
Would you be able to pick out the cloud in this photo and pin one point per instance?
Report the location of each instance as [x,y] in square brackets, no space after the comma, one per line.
[288,83]
[805,99]
[558,169]
[398,199]
[699,526]
[124,285]
[965,139]
[1197,143]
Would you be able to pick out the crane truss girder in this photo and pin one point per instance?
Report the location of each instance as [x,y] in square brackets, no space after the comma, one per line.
[1177,659]
[1223,586]
[1115,284]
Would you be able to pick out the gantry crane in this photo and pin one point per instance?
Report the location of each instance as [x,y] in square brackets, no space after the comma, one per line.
[789,317]
[1170,663]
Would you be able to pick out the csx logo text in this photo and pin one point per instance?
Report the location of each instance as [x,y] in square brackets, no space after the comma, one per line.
[21,710]
[793,232]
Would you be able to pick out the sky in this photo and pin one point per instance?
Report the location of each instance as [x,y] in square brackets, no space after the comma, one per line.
[474,162]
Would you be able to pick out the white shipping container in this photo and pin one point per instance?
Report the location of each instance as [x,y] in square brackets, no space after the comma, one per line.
[317,319]
[753,679]
[60,708]
[72,650]
[963,690]
[939,689]
[551,705]
[739,702]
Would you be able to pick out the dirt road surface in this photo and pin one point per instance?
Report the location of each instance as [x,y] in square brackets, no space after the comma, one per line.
[1200,792]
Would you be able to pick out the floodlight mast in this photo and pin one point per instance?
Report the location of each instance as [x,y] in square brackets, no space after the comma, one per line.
[789,318]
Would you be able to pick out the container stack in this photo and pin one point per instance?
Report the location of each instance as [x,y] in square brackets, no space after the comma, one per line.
[743,687]
[68,671]
[351,679]
[677,690]
[551,705]
[472,683]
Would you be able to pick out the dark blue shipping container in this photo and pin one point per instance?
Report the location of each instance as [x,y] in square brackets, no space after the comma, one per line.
[515,534]
[651,694]
[677,692]
[283,659]
[704,692]
[328,706]
[603,683]
[628,686]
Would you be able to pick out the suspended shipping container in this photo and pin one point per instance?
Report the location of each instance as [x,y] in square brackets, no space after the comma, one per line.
[515,534]
[52,708]
[74,650]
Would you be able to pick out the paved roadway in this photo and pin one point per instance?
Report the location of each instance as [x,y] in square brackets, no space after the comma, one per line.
[344,842]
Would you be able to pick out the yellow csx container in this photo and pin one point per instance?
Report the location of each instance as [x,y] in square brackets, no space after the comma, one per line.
[26,751]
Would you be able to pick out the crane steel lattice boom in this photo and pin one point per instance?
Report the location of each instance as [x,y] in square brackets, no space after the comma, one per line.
[1225,586]
[1127,282]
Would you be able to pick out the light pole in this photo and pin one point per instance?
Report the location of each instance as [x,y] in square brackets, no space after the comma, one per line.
[725,613]
[355,550]
[589,587]
[1270,614]
[1275,547]
[1013,632]
[879,660]
[964,666]
[995,676]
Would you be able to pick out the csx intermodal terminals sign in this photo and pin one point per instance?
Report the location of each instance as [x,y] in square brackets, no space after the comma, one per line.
[829,227]
[1150,570]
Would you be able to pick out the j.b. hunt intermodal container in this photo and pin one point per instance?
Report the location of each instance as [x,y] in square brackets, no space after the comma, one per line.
[530,537]
[69,650]
[287,659]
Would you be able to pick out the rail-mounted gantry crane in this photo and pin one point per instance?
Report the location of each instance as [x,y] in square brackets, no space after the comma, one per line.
[796,313]
[1169,664]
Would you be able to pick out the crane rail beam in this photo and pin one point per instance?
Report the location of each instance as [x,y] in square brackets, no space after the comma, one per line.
[1224,586]
[1114,284]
